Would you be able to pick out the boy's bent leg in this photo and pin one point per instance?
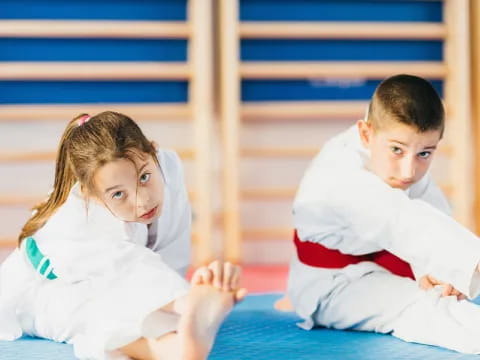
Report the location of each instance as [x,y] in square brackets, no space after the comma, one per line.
[441,321]
[387,303]
[371,302]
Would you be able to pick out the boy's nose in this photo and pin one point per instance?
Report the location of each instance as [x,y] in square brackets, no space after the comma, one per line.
[407,171]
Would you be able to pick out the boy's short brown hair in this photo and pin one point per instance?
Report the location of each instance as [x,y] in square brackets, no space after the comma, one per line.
[409,100]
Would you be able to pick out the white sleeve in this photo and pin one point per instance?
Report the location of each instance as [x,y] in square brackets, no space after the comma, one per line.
[432,195]
[78,259]
[176,253]
[379,215]
[175,248]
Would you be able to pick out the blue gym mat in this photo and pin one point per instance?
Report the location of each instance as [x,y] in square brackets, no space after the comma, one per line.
[255,331]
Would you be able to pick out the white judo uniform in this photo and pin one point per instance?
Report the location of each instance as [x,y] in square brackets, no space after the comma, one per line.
[343,206]
[100,281]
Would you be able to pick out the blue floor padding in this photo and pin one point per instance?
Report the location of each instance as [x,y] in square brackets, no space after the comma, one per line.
[255,331]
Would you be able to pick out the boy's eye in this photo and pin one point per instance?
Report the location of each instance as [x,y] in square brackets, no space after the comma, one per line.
[145,177]
[117,195]
[425,154]
[396,150]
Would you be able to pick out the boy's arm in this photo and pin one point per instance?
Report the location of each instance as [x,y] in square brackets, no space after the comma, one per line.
[431,194]
[379,215]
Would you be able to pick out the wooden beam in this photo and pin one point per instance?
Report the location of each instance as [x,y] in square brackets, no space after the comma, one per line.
[342,30]
[94,29]
[200,53]
[230,120]
[475,84]
[458,100]
[148,71]
[347,69]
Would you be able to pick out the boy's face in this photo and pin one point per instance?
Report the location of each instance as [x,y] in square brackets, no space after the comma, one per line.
[400,154]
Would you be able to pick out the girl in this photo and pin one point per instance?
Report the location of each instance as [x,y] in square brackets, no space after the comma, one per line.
[98,264]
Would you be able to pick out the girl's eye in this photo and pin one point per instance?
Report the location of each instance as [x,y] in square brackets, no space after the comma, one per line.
[145,177]
[425,154]
[117,195]
[396,150]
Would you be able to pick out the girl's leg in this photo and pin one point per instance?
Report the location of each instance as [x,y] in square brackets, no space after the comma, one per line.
[152,349]
[205,309]
[202,312]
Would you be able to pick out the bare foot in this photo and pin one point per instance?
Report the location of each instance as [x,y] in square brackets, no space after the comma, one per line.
[283,304]
[206,308]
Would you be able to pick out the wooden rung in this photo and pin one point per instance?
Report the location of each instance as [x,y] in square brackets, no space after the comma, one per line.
[268,234]
[139,112]
[289,193]
[17,157]
[94,71]
[268,193]
[302,110]
[346,69]
[28,201]
[18,200]
[8,242]
[308,152]
[279,110]
[94,29]
[33,156]
[11,241]
[280,152]
[343,30]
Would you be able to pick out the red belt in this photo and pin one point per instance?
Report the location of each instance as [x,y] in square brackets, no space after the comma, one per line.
[317,255]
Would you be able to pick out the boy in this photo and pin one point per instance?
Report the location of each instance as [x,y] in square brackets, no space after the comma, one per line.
[369,218]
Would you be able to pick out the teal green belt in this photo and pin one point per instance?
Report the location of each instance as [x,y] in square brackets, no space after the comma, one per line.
[39,261]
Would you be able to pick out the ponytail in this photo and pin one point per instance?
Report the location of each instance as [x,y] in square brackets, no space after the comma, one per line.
[64,180]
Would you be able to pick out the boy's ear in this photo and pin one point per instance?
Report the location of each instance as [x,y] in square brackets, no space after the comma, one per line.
[365,131]
[155,145]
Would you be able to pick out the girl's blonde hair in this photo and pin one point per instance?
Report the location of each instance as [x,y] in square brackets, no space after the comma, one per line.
[87,144]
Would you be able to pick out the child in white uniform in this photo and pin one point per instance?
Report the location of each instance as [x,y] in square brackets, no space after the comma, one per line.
[367,191]
[100,263]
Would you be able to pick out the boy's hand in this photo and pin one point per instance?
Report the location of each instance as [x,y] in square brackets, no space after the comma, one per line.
[428,282]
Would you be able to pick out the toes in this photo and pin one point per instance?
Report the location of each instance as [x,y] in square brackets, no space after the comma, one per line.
[228,273]
[240,294]
[217,270]
[202,275]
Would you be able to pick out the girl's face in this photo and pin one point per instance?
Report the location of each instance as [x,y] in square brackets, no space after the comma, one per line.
[131,189]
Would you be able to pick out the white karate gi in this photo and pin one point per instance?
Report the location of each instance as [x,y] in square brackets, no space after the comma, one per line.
[342,205]
[109,285]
